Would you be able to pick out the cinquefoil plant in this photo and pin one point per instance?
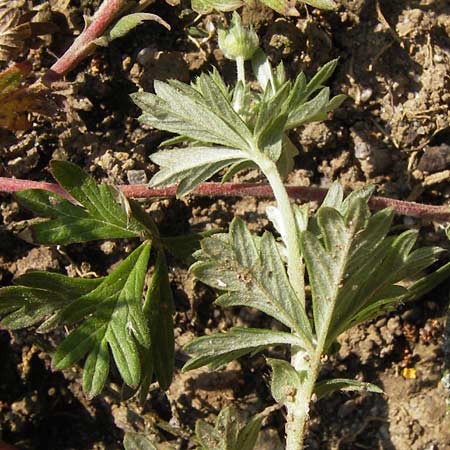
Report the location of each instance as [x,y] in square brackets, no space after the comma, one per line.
[347,256]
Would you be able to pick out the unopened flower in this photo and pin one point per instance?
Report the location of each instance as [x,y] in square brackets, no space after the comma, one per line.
[238,41]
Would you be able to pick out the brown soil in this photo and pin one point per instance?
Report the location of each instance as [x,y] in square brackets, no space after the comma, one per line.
[393,131]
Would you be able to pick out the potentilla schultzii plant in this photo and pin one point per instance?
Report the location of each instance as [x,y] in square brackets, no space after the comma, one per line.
[349,258]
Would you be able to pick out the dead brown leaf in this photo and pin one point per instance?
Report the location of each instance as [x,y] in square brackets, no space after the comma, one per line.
[17,26]
[13,33]
[19,100]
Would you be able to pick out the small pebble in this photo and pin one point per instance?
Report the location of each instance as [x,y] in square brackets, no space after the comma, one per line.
[366,94]
[435,159]
[146,55]
[137,177]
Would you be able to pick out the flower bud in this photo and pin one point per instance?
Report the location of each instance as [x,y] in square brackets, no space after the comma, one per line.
[238,41]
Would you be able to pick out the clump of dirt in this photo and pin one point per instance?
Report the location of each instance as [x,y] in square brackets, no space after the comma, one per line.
[393,131]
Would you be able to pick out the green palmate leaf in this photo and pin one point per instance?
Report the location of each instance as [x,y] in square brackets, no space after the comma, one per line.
[114,316]
[37,298]
[353,266]
[137,441]
[191,166]
[104,212]
[285,381]
[251,275]
[325,387]
[375,283]
[178,110]
[301,108]
[232,127]
[159,308]
[216,350]
[282,98]
[111,304]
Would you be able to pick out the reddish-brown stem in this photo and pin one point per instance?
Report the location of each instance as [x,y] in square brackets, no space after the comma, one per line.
[305,194]
[82,46]
[15,184]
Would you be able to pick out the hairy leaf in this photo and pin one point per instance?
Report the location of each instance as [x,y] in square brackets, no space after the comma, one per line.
[322,75]
[110,305]
[216,350]
[114,314]
[191,166]
[104,212]
[38,297]
[231,127]
[325,387]
[56,283]
[216,95]
[24,307]
[178,110]
[353,266]
[252,276]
